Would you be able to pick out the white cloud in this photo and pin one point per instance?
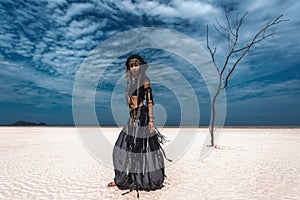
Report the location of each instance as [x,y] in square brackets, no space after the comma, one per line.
[52,4]
[194,8]
[6,40]
[77,30]
[263,89]
[189,10]
[76,9]
[58,37]
[23,85]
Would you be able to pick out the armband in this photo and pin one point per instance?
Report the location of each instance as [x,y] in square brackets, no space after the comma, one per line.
[149,97]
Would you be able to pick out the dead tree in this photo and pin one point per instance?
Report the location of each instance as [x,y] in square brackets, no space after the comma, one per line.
[235,52]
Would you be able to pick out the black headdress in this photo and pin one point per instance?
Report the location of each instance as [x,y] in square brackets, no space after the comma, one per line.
[140,59]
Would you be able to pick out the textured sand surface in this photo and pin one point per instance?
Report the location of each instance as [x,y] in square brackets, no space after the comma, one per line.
[52,163]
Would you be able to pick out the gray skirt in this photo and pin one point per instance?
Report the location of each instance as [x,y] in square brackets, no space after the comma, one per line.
[138,157]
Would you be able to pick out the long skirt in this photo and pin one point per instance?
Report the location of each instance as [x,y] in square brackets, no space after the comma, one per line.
[138,157]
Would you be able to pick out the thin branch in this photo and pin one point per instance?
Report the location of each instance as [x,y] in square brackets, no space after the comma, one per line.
[236,19]
[233,45]
[229,27]
[222,34]
[235,64]
[221,26]
[224,29]
[254,42]
[260,36]
[263,30]
[244,16]
[212,53]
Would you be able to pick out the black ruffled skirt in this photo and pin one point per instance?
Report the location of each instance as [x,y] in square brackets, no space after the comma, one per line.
[137,156]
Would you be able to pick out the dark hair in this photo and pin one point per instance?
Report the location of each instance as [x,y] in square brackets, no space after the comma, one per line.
[131,83]
[143,64]
[140,58]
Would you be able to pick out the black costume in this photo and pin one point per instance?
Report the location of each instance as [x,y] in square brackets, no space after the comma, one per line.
[138,157]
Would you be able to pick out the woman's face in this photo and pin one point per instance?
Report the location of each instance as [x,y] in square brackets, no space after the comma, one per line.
[134,66]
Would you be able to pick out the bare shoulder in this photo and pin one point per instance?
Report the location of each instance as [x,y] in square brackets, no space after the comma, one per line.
[147,83]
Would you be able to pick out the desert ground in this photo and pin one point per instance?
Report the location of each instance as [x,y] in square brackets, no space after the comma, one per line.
[54,163]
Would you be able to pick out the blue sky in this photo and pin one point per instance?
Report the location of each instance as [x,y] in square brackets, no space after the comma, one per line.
[44,43]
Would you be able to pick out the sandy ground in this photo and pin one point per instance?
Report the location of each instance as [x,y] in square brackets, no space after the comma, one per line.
[52,163]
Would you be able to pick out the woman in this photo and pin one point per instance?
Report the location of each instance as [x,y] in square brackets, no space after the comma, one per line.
[137,156]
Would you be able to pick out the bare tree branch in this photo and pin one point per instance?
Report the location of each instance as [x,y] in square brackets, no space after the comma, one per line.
[219,31]
[212,53]
[221,26]
[263,30]
[229,31]
[241,52]
[233,45]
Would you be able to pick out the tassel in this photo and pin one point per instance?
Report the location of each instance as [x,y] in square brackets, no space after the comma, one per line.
[161,138]
[127,192]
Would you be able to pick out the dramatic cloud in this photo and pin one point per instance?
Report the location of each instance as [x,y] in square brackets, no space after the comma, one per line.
[43,44]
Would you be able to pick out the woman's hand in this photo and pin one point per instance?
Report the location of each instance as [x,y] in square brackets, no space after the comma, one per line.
[151,126]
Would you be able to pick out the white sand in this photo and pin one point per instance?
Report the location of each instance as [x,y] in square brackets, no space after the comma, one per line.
[51,163]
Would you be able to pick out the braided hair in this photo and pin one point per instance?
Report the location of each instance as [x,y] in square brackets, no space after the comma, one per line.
[132,83]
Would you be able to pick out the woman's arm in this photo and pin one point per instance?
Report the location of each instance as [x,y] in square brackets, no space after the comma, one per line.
[150,104]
